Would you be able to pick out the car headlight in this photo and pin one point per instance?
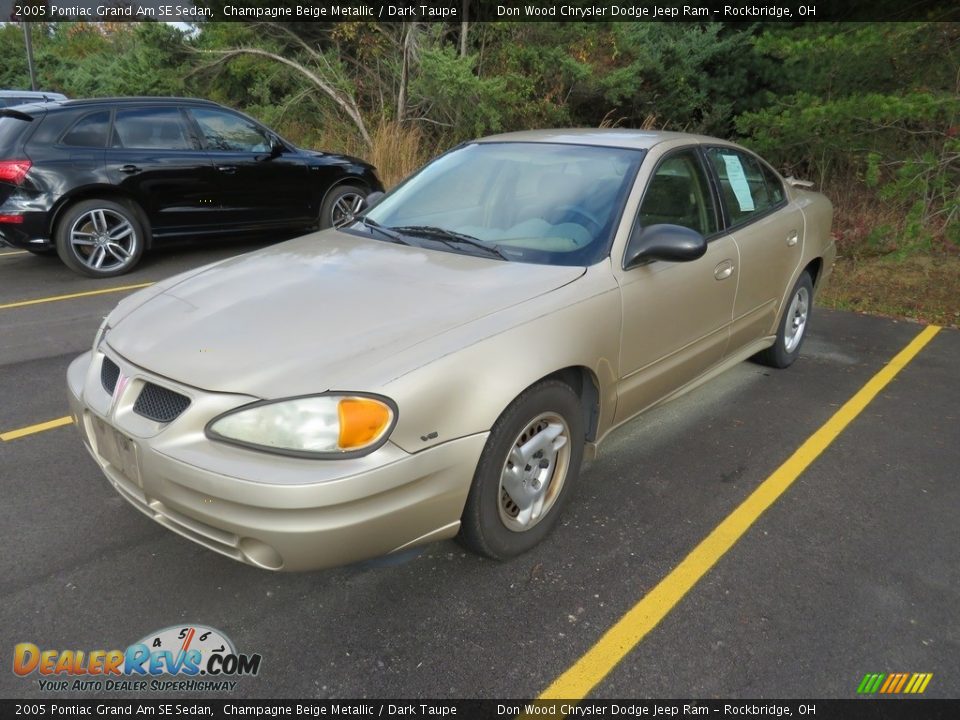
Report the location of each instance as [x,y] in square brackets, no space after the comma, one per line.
[315,426]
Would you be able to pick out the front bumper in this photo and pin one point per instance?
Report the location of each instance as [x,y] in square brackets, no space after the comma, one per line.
[274,512]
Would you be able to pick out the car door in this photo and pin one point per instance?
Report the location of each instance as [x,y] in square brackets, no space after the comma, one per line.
[261,184]
[769,236]
[676,315]
[155,159]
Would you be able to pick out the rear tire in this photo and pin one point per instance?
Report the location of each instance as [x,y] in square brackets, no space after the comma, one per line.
[341,206]
[100,238]
[526,472]
[793,326]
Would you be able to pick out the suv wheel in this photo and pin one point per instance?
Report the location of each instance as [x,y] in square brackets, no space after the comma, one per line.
[341,206]
[100,238]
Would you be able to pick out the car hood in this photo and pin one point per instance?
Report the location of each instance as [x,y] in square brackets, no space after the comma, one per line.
[326,304]
[336,157]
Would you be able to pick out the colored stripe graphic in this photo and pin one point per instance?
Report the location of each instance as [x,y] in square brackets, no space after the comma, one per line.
[891,679]
[894,683]
[870,683]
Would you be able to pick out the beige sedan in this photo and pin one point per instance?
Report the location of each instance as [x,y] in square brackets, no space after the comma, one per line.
[440,366]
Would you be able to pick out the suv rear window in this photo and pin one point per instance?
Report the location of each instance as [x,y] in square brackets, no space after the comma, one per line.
[151,129]
[89,131]
[10,129]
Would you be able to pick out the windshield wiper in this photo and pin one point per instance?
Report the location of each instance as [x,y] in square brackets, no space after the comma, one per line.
[451,238]
[385,232]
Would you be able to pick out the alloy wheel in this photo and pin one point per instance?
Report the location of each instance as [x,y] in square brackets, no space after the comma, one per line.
[346,208]
[103,239]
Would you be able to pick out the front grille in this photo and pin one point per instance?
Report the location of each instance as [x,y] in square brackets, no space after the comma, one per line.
[160,404]
[109,374]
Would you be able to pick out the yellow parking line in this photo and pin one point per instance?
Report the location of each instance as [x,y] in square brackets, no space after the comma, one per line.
[13,252]
[32,429]
[71,296]
[577,681]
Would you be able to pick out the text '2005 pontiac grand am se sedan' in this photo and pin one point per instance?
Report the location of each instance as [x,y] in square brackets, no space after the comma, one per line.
[441,366]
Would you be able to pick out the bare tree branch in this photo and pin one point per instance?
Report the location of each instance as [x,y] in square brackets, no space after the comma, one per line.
[346,102]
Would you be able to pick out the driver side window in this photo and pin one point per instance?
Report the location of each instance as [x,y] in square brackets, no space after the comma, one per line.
[679,194]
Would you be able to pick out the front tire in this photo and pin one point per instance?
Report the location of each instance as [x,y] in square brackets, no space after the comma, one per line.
[793,326]
[341,206]
[100,238]
[526,473]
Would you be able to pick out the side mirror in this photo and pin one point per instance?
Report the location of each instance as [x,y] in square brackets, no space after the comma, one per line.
[372,199]
[674,243]
[277,147]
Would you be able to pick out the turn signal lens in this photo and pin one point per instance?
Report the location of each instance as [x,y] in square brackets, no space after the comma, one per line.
[362,421]
[14,171]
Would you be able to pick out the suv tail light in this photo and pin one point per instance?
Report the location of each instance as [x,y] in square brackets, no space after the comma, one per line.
[14,171]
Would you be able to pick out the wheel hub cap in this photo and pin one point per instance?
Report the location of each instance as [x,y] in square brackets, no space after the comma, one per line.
[796,319]
[534,472]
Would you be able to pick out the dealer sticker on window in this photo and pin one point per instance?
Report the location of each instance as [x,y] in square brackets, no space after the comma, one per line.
[738,181]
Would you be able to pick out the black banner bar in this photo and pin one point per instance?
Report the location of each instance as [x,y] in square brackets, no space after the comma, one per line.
[478,10]
[858,709]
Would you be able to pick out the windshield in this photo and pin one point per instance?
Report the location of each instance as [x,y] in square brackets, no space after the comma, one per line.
[544,203]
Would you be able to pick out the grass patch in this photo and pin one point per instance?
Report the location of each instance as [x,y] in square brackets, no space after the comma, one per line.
[883,268]
[925,288]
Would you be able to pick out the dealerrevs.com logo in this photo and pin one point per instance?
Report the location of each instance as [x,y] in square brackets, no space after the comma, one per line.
[199,657]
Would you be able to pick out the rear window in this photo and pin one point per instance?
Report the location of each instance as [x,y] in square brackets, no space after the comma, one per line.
[11,129]
[89,131]
[748,187]
[151,129]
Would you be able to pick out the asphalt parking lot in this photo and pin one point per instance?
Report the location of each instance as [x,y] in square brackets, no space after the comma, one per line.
[854,569]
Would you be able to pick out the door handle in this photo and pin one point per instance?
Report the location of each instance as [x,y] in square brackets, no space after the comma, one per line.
[723,270]
[129,169]
[228,169]
[792,238]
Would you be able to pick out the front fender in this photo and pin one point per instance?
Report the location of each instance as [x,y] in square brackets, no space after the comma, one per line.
[480,368]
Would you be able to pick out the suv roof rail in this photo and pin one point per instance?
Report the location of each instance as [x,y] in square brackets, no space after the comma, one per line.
[138,99]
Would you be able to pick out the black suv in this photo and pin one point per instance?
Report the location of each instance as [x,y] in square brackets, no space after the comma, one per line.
[98,181]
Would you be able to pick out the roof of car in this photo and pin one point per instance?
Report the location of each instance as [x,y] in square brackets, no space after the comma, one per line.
[138,100]
[608,137]
[125,101]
